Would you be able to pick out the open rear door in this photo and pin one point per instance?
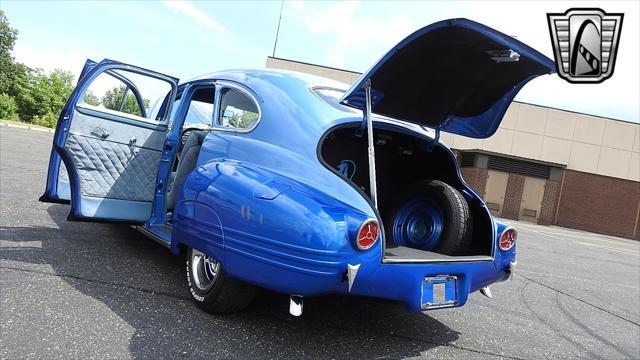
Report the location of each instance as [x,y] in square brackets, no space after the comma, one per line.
[57,189]
[107,147]
[456,75]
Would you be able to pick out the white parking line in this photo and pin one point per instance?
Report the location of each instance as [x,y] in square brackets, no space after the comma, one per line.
[551,231]
[596,238]
[574,278]
[624,251]
[20,244]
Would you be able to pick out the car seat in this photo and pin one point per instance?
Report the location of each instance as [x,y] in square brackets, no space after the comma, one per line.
[186,163]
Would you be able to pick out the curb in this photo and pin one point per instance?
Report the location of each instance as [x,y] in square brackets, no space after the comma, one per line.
[26,127]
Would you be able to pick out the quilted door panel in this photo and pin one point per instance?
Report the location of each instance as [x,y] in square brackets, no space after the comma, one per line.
[109,169]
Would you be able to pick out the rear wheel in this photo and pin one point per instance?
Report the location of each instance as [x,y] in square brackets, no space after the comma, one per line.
[431,215]
[212,289]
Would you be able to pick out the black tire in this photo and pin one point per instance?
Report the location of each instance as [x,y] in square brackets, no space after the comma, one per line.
[223,295]
[457,229]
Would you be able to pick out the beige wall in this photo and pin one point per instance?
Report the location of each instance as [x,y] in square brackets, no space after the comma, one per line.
[578,141]
[347,77]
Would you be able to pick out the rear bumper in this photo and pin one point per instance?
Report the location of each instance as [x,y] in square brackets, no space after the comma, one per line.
[312,273]
[404,282]
[394,281]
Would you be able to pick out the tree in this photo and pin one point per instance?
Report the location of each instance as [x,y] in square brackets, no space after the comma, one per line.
[113,97]
[8,108]
[242,119]
[91,99]
[31,93]
[43,94]
[11,72]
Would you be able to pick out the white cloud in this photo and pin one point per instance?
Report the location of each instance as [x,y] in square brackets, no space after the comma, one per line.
[196,14]
[50,59]
[354,33]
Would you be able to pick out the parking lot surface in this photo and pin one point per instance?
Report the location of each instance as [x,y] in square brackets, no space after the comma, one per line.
[85,290]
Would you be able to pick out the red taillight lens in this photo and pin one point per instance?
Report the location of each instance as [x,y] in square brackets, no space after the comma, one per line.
[367,235]
[508,239]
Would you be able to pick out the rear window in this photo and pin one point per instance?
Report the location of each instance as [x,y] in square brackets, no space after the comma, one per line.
[332,97]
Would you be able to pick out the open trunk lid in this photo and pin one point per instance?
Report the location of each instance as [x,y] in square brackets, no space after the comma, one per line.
[455,75]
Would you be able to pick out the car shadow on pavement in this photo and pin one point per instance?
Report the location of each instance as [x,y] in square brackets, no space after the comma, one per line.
[144,285]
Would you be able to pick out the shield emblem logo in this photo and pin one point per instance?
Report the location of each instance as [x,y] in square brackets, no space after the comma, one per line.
[585,44]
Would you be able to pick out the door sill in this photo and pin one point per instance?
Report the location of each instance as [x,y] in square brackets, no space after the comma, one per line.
[160,234]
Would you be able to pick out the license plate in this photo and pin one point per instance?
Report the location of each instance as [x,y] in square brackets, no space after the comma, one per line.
[439,292]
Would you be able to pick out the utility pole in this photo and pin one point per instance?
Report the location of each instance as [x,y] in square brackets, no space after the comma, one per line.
[275,43]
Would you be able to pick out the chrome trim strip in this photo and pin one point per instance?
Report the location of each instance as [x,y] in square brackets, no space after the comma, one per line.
[424,261]
[120,117]
[153,236]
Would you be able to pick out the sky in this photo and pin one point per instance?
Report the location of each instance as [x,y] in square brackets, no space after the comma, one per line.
[186,39]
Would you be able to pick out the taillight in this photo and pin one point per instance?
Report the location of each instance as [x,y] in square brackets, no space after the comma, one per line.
[367,234]
[508,239]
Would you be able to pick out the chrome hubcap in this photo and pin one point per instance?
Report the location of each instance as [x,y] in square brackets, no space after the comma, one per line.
[204,270]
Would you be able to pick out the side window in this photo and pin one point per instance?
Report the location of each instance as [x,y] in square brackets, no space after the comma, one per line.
[237,110]
[200,112]
[125,92]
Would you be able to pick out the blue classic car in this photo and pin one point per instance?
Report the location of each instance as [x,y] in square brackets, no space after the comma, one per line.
[298,184]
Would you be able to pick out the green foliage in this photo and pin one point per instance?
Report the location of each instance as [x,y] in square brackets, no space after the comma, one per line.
[113,97]
[242,119]
[46,120]
[8,35]
[43,94]
[32,94]
[8,107]
[91,99]
[10,71]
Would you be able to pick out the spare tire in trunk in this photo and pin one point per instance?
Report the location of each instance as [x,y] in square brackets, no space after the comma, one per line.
[430,215]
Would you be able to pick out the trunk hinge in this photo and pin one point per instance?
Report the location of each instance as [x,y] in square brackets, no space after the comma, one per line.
[371,150]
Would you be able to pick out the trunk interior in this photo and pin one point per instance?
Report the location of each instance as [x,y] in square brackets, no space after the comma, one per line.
[402,160]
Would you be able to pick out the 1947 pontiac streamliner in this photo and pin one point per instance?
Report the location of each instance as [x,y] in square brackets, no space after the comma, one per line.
[293,183]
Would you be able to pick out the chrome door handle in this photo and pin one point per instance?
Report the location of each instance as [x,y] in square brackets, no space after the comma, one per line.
[132,145]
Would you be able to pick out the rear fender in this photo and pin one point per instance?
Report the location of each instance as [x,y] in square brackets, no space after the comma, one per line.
[269,224]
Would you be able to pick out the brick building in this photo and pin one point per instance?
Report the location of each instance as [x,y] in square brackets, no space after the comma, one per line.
[546,165]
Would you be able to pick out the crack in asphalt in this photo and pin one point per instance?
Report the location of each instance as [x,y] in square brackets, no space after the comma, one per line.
[170,295]
[409,338]
[580,300]
[101,282]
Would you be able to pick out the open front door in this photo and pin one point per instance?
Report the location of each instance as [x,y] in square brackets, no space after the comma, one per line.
[107,144]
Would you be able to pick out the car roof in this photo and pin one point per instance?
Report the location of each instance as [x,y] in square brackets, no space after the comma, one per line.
[253,73]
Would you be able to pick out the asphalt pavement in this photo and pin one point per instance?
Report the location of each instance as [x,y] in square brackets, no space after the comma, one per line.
[86,290]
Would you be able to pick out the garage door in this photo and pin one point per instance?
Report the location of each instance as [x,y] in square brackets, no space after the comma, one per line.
[495,190]
[532,199]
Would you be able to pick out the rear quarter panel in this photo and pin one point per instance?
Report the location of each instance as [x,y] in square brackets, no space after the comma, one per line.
[269,228]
